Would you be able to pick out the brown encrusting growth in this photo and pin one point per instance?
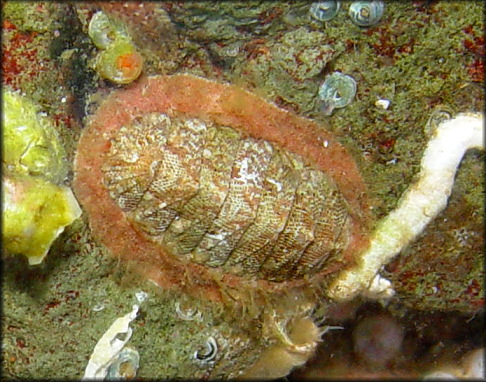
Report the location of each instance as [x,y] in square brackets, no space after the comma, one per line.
[170,98]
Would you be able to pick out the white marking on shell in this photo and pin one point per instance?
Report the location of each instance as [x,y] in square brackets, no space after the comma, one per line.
[383,103]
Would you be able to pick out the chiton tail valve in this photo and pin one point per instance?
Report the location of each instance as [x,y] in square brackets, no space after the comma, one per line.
[206,184]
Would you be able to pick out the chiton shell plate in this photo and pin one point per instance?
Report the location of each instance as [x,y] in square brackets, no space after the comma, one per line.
[191,176]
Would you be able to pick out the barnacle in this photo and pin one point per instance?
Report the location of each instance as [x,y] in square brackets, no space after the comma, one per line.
[325,10]
[366,13]
[297,341]
[337,91]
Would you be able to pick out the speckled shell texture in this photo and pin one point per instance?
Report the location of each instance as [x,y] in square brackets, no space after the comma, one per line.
[196,178]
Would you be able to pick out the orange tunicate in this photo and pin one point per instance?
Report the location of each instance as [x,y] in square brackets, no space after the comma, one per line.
[129,64]
[120,63]
[205,186]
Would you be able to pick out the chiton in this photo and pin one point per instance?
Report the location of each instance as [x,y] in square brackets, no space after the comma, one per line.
[192,177]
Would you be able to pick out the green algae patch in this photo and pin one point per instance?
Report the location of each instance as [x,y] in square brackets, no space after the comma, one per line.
[35,212]
[35,208]
[30,143]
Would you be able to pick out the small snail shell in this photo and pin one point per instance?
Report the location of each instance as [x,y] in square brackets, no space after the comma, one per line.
[209,353]
[366,13]
[325,10]
[337,91]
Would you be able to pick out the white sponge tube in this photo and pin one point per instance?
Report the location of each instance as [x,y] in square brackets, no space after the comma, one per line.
[419,205]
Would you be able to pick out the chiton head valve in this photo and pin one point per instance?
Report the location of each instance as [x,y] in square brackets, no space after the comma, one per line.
[337,91]
[196,177]
[366,13]
[324,10]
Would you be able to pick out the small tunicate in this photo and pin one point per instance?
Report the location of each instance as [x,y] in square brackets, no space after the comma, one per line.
[325,10]
[337,91]
[120,63]
[125,365]
[366,13]
[377,340]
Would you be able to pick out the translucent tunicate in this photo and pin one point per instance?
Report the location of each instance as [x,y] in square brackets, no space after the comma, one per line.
[325,10]
[337,91]
[366,13]
[104,31]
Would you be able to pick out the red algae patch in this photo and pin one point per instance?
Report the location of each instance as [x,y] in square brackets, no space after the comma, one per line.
[202,184]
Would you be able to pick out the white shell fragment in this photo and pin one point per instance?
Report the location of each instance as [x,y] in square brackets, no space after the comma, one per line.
[98,308]
[382,104]
[441,375]
[419,205]
[109,346]
[380,289]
